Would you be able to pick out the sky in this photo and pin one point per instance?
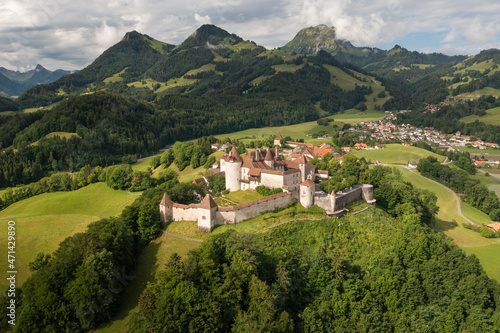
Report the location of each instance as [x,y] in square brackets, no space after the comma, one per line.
[70,34]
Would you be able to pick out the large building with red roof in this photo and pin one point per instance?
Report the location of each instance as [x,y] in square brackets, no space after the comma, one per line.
[265,167]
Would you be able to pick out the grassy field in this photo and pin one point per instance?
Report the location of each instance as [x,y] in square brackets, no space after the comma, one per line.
[43,221]
[342,79]
[470,241]
[64,135]
[237,198]
[396,154]
[300,131]
[484,152]
[153,258]
[492,117]
[115,78]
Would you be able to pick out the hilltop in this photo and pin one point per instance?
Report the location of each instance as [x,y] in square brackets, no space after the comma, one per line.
[13,83]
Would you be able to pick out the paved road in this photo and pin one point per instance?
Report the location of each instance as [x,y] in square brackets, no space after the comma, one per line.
[494,177]
[457,199]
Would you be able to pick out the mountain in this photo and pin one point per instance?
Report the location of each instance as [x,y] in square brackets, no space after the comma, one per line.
[313,39]
[212,62]
[19,82]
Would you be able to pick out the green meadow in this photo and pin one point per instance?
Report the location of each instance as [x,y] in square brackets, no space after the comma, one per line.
[471,242]
[396,154]
[492,117]
[43,221]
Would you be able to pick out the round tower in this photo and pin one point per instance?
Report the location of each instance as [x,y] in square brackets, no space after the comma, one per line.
[233,162]
[307,189]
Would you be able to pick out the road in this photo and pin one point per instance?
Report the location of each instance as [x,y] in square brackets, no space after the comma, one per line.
[457,199]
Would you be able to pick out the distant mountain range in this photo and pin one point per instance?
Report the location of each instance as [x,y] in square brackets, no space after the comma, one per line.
[312,39]
[214,60]
[13,83]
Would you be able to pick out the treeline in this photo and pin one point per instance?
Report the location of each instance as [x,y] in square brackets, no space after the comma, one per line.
[369,272]
[492,81]
[79,286]
[475,193]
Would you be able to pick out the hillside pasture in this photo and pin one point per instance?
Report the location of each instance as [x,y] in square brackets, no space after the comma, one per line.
[300,131]
[450,223]
[43,221]
[396,154]
[492,117]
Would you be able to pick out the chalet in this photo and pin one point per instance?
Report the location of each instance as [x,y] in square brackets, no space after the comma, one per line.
[494,226]
[346,149]
[412,165]
[406,144]
[480,164]
[360,146]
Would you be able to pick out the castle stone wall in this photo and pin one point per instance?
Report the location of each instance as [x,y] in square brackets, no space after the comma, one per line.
[235,214]
[348,196]
[185,213]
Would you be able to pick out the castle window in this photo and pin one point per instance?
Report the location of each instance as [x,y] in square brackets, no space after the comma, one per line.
[203,217]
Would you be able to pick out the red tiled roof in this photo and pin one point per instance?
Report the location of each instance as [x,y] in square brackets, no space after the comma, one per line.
[308,183]
[233,155]
[208,202]
[166,201]
[494,226]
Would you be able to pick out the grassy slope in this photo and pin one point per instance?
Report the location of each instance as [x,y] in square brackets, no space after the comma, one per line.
[479,151]
[468,240]
[299,131]
[64,135]
[492,117]
[43,221]
[396,154]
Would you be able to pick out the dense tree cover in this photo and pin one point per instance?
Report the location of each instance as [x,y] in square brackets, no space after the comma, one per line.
[351,172]
[7,104]
[447,119]
[369,272]
[80,284]
[266,191]
[492,80]
[10,125]
[475,193]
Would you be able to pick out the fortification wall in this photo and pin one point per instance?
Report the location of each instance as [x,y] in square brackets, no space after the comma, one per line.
[347,197]
[185,213]
[235,214]
[324,202]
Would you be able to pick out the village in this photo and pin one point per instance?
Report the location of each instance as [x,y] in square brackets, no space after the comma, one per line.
[385,130]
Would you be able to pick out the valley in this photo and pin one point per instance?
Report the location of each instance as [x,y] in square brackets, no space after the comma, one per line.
[102,168]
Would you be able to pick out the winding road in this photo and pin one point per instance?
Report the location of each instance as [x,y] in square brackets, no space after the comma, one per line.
[457,199]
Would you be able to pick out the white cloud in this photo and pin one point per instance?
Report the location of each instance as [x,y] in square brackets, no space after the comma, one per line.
[202,19]
[71,34]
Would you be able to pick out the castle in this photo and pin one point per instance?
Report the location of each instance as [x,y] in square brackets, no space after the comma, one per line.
[265,167]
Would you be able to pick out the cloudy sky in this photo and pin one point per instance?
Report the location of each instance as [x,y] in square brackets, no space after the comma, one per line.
[70,34]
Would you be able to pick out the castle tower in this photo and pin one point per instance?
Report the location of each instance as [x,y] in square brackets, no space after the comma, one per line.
[277,140]
[302,167]
[368,193]
[333,199]
[233,162]
[166,209]
[307,189]
[269,160]
[207,214]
